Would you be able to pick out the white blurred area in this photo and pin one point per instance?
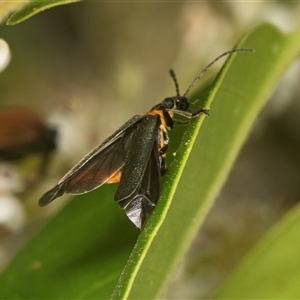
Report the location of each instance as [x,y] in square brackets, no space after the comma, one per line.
[12,211]
[5,54]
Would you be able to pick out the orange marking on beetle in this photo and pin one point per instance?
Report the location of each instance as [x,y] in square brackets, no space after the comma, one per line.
[163,125]
[115,179]
[161,115]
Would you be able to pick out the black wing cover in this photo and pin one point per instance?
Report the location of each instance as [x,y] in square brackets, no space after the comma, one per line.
[139,188]
[97,167]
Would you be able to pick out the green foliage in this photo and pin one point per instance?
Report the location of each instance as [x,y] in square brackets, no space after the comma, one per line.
[81,252]
[32,8]
[272,267]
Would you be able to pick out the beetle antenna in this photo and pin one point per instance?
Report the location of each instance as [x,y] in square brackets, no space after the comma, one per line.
[209,65]
[172,73]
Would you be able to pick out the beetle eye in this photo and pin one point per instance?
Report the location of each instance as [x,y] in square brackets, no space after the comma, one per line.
[169,103]
[182,103]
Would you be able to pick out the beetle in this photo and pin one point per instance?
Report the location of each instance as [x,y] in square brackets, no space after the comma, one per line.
[24,132]
[134,156]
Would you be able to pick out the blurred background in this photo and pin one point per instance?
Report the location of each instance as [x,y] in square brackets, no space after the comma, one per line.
[86,68]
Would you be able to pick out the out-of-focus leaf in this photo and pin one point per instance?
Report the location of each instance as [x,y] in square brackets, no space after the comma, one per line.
[78,255]
[272,269]
[7,7]
[32,8]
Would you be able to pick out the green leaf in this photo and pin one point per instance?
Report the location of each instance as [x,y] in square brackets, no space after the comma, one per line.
[238,95]
[79,254]
[33,7]
[272,268]
[7,7]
